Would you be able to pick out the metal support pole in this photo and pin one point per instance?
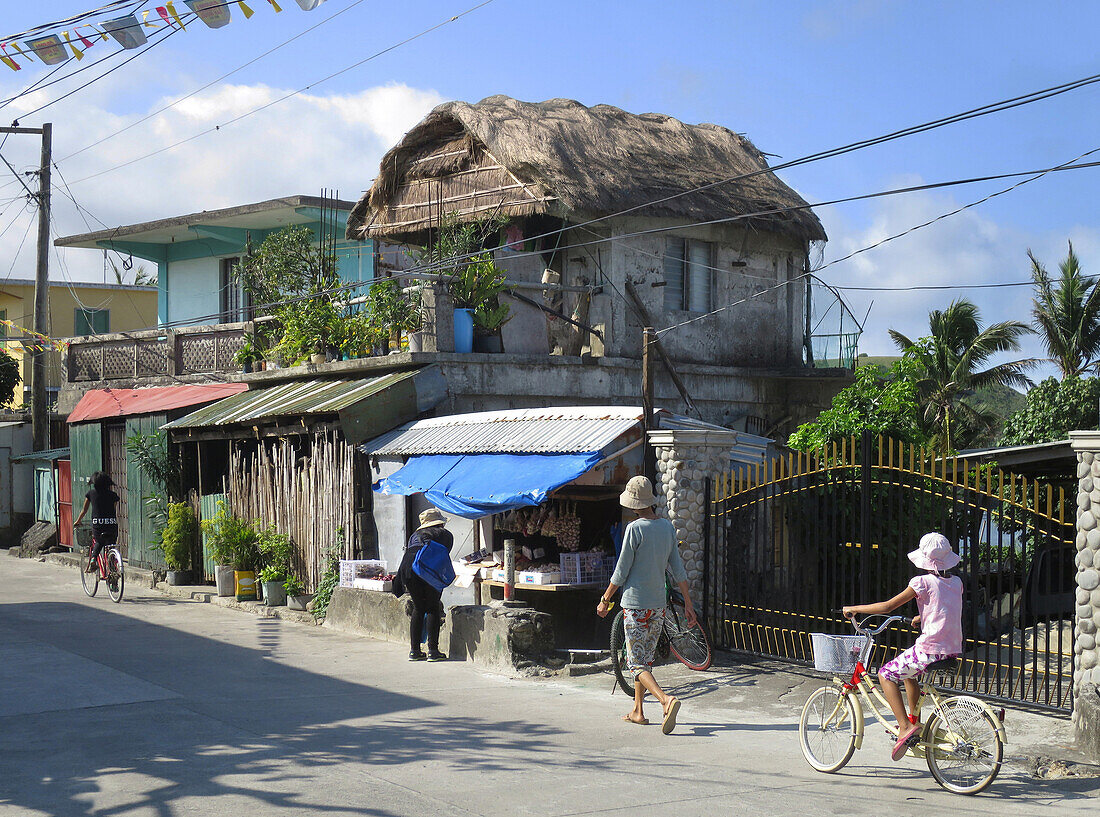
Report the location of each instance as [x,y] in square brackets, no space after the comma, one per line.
[40,431]
[649,456]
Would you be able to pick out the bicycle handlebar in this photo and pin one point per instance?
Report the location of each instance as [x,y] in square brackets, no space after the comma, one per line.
[863,630]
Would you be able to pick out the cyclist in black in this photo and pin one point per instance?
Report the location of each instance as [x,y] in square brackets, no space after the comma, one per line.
[103,501]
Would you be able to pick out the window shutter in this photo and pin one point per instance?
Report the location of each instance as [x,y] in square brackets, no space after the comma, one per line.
[674,273]
[101,321]
[81,324]
[698,276]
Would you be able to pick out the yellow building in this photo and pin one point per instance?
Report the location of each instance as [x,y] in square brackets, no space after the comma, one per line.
[75,309]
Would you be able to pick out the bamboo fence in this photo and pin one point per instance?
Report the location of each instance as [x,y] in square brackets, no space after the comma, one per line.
[308,498]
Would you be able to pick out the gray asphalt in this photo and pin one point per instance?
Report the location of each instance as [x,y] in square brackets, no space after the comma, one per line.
[159,706]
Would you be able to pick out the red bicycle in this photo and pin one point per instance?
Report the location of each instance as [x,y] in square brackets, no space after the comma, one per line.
[109,570]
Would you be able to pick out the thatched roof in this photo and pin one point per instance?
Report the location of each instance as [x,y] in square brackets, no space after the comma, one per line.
[511,158]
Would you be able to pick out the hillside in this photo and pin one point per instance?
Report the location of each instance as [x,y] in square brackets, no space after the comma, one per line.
[1001,401]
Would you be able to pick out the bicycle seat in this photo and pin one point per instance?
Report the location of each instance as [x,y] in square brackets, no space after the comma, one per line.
[943,665]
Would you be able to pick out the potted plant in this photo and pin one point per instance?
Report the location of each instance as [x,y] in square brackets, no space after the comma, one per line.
[232,543]
[248,355]
[177,541]
[276,551]
[296,596]
[489,316]
[472,285]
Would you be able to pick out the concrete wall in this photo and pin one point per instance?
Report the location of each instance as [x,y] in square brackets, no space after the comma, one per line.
[1086,649]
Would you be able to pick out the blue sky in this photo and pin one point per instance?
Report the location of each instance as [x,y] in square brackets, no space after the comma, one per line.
[794,77]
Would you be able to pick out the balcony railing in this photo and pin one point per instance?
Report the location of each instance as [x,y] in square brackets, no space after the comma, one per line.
[154,353]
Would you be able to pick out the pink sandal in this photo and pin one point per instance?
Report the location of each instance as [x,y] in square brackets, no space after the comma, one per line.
[904,739]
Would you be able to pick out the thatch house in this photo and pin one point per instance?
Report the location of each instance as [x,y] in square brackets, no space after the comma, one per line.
[634,214]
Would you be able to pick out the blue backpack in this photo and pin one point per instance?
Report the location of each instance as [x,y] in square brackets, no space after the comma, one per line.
[432,563]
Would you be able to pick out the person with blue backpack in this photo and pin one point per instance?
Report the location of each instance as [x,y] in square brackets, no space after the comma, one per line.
[425,570]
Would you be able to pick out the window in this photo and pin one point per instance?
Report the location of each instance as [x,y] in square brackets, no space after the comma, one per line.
[88,321]
[689,275]
[233,301]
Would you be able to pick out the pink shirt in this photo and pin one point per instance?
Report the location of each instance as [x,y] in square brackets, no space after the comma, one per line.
[940,603]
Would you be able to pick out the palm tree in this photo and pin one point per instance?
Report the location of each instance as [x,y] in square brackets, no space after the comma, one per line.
[1067,314]
[950,362]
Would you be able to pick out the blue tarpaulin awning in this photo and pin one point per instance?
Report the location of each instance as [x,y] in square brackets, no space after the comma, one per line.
[476,485]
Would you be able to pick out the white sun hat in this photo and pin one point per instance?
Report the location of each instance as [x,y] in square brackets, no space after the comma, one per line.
[638,494]
[430,518]
[934,553]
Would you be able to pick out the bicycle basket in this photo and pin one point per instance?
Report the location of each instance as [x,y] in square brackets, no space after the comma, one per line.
[837,653]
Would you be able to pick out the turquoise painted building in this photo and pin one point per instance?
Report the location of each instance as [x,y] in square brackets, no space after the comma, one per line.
[194,254]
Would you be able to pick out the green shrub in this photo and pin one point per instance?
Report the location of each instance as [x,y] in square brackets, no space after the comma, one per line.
[293,586]
[178,538]
[232,541]
[276,553]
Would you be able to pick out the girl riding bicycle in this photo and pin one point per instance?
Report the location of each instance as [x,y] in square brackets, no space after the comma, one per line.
[939,605]
[103,502]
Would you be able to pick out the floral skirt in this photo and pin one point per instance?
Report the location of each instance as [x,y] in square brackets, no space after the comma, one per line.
[643,629]
[909,664]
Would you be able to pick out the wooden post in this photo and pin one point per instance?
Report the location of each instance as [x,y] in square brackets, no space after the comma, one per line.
[649,455]
[40,430]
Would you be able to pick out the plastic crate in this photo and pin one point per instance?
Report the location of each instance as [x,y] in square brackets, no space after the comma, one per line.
[585,568]
[352,569]
[373,584]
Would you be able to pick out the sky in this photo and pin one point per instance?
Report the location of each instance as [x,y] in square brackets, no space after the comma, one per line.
[796,78]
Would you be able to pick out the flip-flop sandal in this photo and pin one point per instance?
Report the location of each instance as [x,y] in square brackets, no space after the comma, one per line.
[669,722]
[905,739]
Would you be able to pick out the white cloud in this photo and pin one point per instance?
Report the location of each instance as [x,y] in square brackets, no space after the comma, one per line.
[298,146]
[965,248]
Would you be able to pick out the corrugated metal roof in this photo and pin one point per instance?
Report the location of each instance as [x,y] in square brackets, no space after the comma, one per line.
[49,454]
[295,398]
[558,430]
[102,403]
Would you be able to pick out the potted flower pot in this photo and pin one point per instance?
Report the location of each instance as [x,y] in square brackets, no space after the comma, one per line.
[223,577]
[488,344]
[178,578]
[274,593]
[464,330]
[245,585]
[298,602]
[317,358]
[416,341]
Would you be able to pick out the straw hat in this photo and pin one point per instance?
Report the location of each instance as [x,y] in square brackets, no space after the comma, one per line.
[430,518]
[934,553]
[638,494]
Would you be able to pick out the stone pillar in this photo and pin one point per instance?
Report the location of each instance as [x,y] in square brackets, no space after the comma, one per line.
[1086,654]
[438,313]
[685,458]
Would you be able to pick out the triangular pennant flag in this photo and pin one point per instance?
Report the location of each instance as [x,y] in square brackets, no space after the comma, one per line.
[163,12]
[76,51]
[12,64]
[274,5]
[87,43]
[245,9]
[14,45]
[145,20]
[172,10]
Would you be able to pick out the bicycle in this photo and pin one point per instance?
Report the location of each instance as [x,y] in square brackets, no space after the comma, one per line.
[109,569]
[690,645]
[963,742]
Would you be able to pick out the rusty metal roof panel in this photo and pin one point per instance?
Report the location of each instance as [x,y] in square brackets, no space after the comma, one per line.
[563,429]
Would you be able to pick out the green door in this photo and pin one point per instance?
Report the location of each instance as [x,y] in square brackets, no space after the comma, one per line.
[86,453]
[144,542]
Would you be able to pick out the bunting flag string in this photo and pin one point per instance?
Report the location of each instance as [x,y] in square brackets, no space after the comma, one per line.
[44,340]
[54,43]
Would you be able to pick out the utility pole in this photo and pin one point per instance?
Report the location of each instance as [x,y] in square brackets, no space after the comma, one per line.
[649,456]
[40,431]
[40,428]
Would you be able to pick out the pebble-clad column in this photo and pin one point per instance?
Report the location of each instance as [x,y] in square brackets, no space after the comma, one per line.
[1086,655]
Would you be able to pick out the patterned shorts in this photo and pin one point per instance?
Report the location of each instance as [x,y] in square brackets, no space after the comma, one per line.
[908,664]
[643,629]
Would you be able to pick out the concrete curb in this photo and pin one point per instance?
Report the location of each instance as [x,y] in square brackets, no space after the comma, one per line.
[207,595]
[133,574]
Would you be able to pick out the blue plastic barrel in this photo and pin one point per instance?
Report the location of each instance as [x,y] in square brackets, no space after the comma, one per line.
[464,331]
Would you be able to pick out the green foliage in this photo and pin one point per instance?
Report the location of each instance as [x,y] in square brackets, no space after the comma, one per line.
[330,579]
[1067,315]
[308,326]
[389,311]
[232,540]
[163,466]
[9,377]
[882,403]
[178,538]
[951,360]
[249,352]
[1052,409]
[459,252]
[293,586]
[490,318]
[288,264]
[476,282]
[276,553]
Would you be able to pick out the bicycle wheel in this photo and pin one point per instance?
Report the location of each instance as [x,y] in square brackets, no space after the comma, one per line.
[962,744]
[89,581]
[689,644]
[827,729]
[116,575]
[618,655]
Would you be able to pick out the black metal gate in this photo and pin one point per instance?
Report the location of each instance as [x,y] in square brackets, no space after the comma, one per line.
[793,540]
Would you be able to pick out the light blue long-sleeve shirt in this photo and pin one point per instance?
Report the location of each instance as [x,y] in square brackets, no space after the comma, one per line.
[649,547]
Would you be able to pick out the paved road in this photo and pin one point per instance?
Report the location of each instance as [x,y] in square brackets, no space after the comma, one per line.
[165,707]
